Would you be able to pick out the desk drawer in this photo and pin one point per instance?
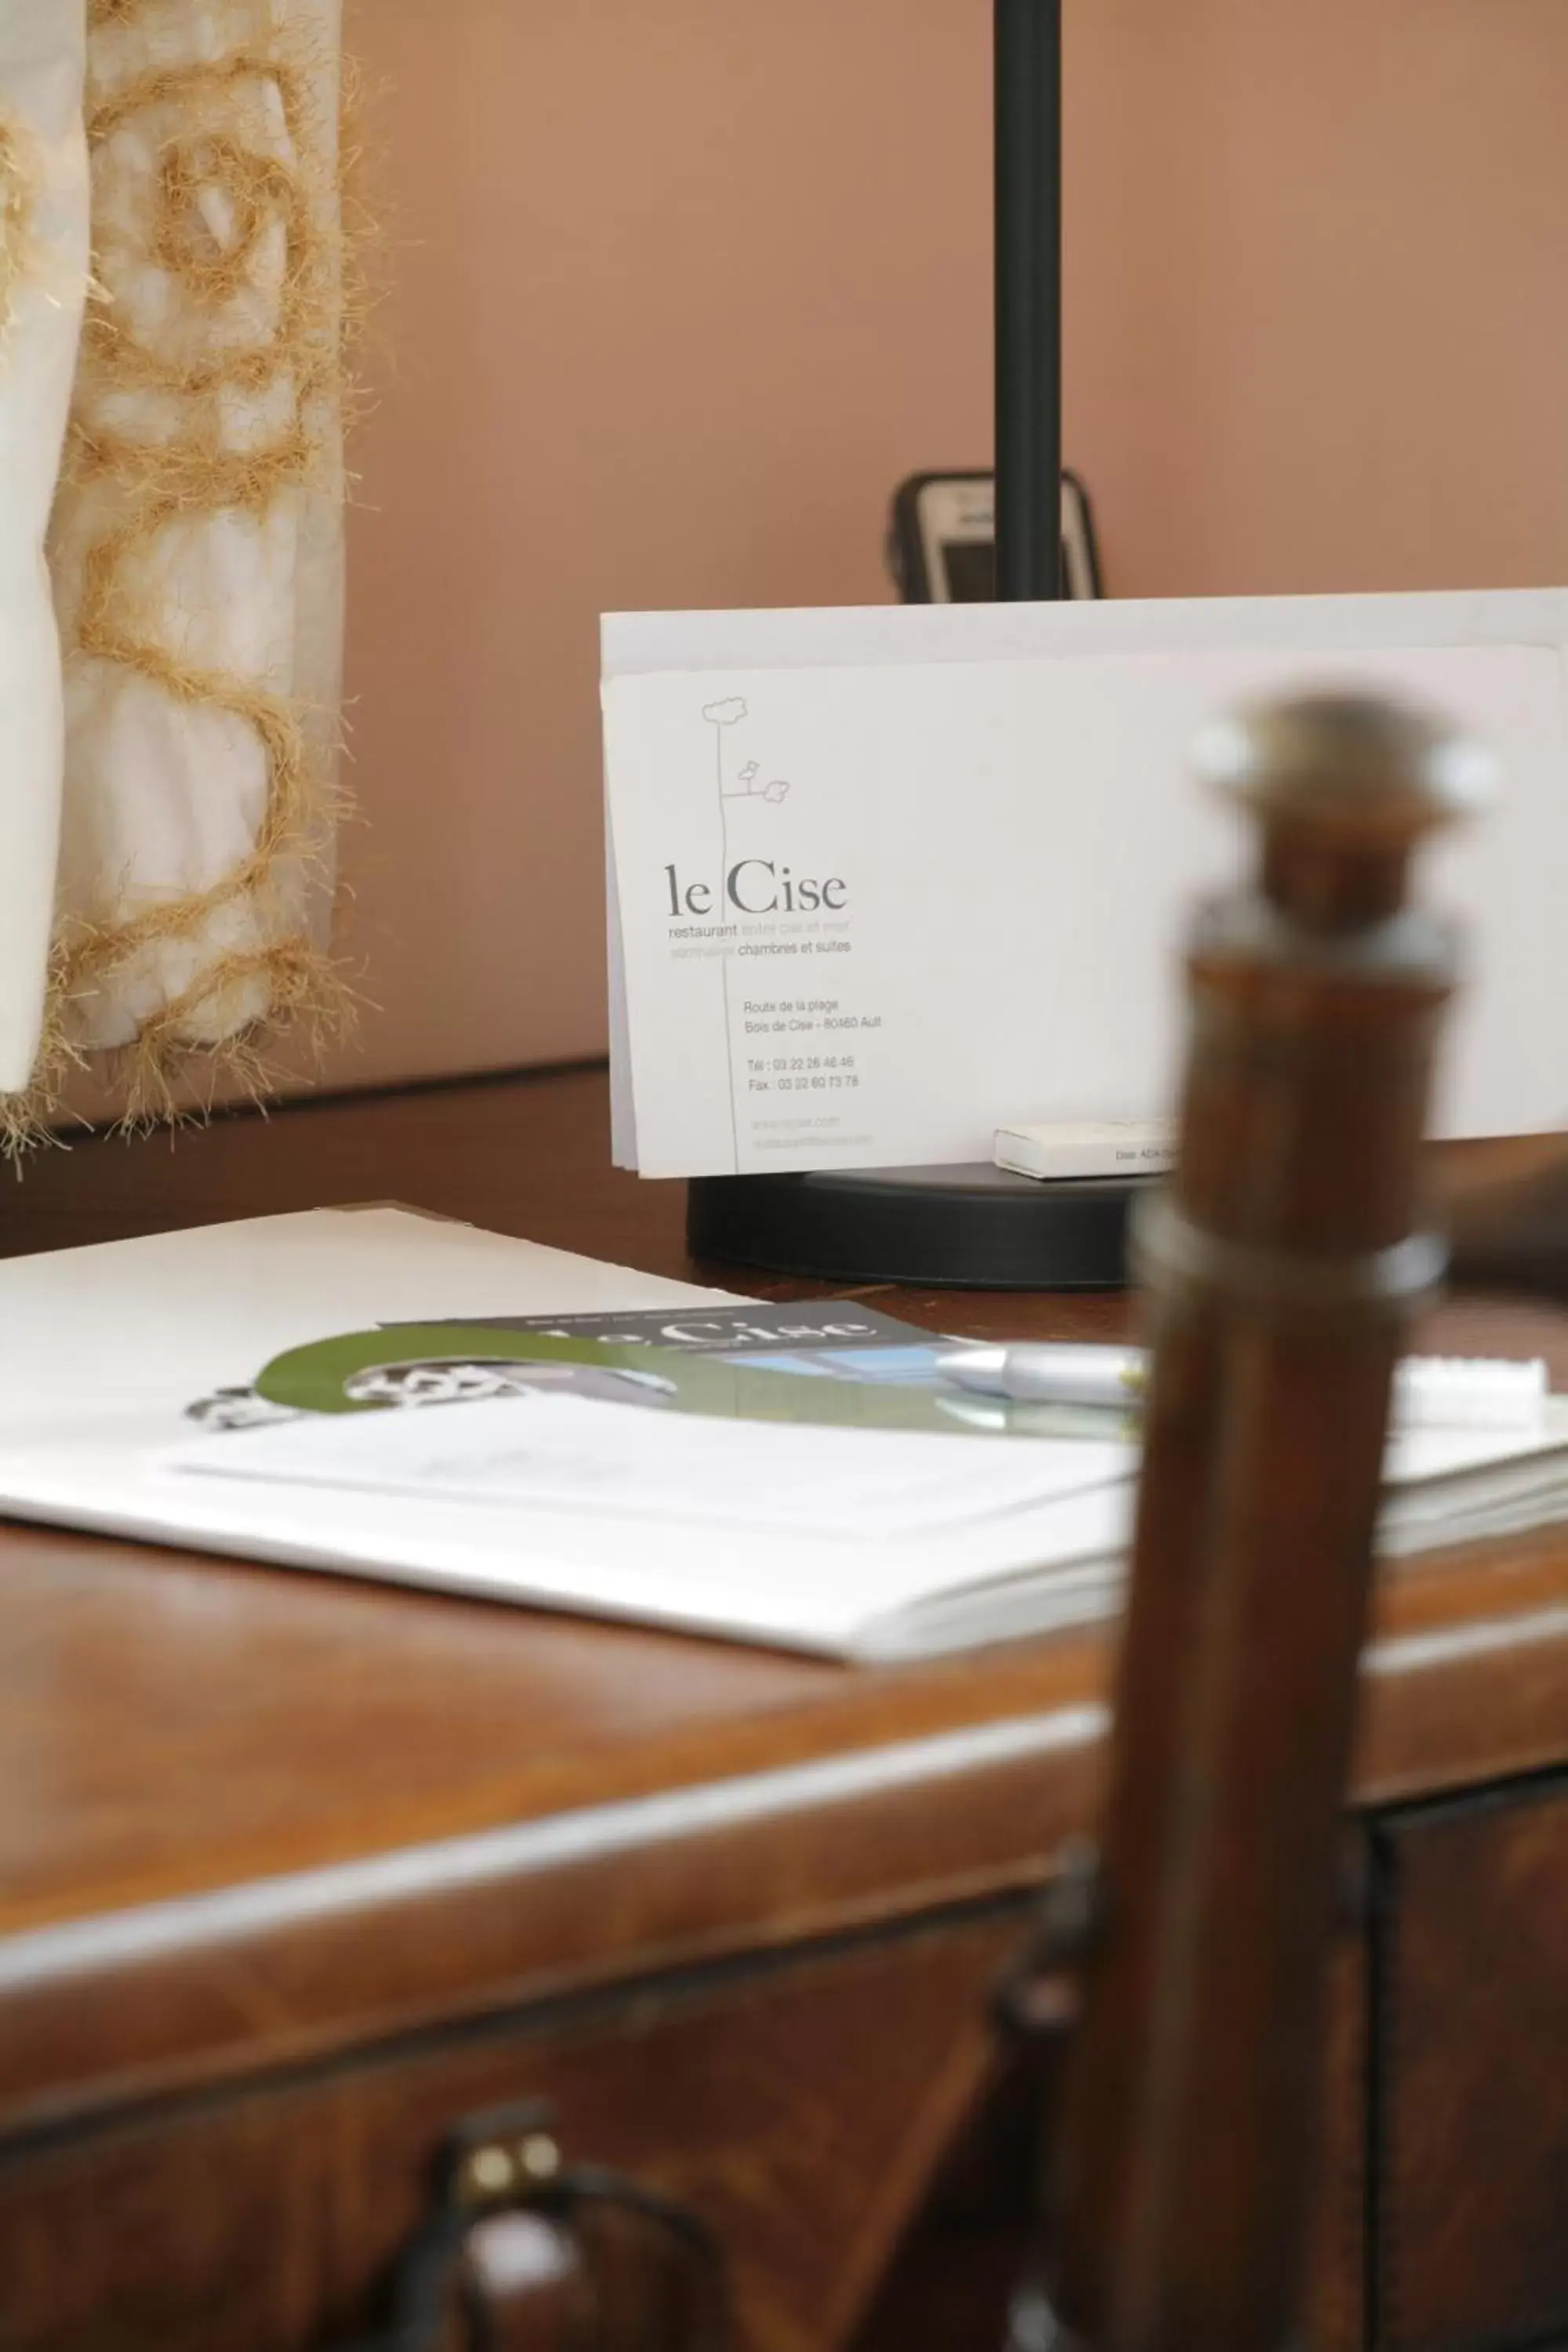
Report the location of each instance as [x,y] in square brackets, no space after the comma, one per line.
[1470,2037]
[801,2107]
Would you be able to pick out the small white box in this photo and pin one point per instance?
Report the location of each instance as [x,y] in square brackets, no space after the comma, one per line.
[1057,1149]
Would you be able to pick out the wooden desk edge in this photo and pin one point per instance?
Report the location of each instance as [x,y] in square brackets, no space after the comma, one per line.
[1466,1680]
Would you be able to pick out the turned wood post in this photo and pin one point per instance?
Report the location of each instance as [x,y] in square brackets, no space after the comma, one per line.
[1283,1264]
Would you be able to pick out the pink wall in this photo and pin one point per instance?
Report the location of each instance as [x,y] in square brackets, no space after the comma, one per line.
[684,286]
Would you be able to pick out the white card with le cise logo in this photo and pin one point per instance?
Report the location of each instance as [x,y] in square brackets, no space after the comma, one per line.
[884,880]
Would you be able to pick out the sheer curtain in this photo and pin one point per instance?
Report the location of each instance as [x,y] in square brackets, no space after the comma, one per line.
[43,278]
[197,548]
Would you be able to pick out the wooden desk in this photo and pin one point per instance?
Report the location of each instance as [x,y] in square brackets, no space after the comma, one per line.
[294,1873]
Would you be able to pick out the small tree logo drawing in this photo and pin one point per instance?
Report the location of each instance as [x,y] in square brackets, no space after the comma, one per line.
[721,717]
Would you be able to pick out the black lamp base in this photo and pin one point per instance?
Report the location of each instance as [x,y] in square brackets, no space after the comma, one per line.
[964,1228]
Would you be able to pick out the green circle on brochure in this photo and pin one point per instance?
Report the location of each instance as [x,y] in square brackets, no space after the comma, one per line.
[322,1377]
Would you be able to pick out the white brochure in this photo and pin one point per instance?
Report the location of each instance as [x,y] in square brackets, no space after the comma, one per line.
[884,880]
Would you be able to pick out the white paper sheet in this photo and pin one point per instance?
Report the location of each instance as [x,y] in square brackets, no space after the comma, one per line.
[572,1454]
[122,1338]
[885,881]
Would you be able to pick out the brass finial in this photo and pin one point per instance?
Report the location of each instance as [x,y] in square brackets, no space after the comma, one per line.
[1345,784]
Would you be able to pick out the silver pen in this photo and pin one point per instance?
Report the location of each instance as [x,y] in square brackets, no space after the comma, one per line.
[1436,1392]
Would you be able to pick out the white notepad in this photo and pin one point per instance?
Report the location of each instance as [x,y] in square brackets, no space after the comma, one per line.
[883,881]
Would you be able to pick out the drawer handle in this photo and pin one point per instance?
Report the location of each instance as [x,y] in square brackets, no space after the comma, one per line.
[524,2252]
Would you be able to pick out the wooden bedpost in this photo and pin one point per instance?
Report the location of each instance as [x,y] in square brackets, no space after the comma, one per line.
[1283,1264]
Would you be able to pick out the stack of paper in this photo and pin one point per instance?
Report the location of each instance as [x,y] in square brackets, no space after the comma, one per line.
[140,1389]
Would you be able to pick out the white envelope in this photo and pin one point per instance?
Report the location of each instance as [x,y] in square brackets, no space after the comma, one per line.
[884,880]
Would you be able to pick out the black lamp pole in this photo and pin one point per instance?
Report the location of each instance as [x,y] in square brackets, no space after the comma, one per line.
[1028,67]
[975,1227]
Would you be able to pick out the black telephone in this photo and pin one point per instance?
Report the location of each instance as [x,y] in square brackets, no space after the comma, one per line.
[942,545]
